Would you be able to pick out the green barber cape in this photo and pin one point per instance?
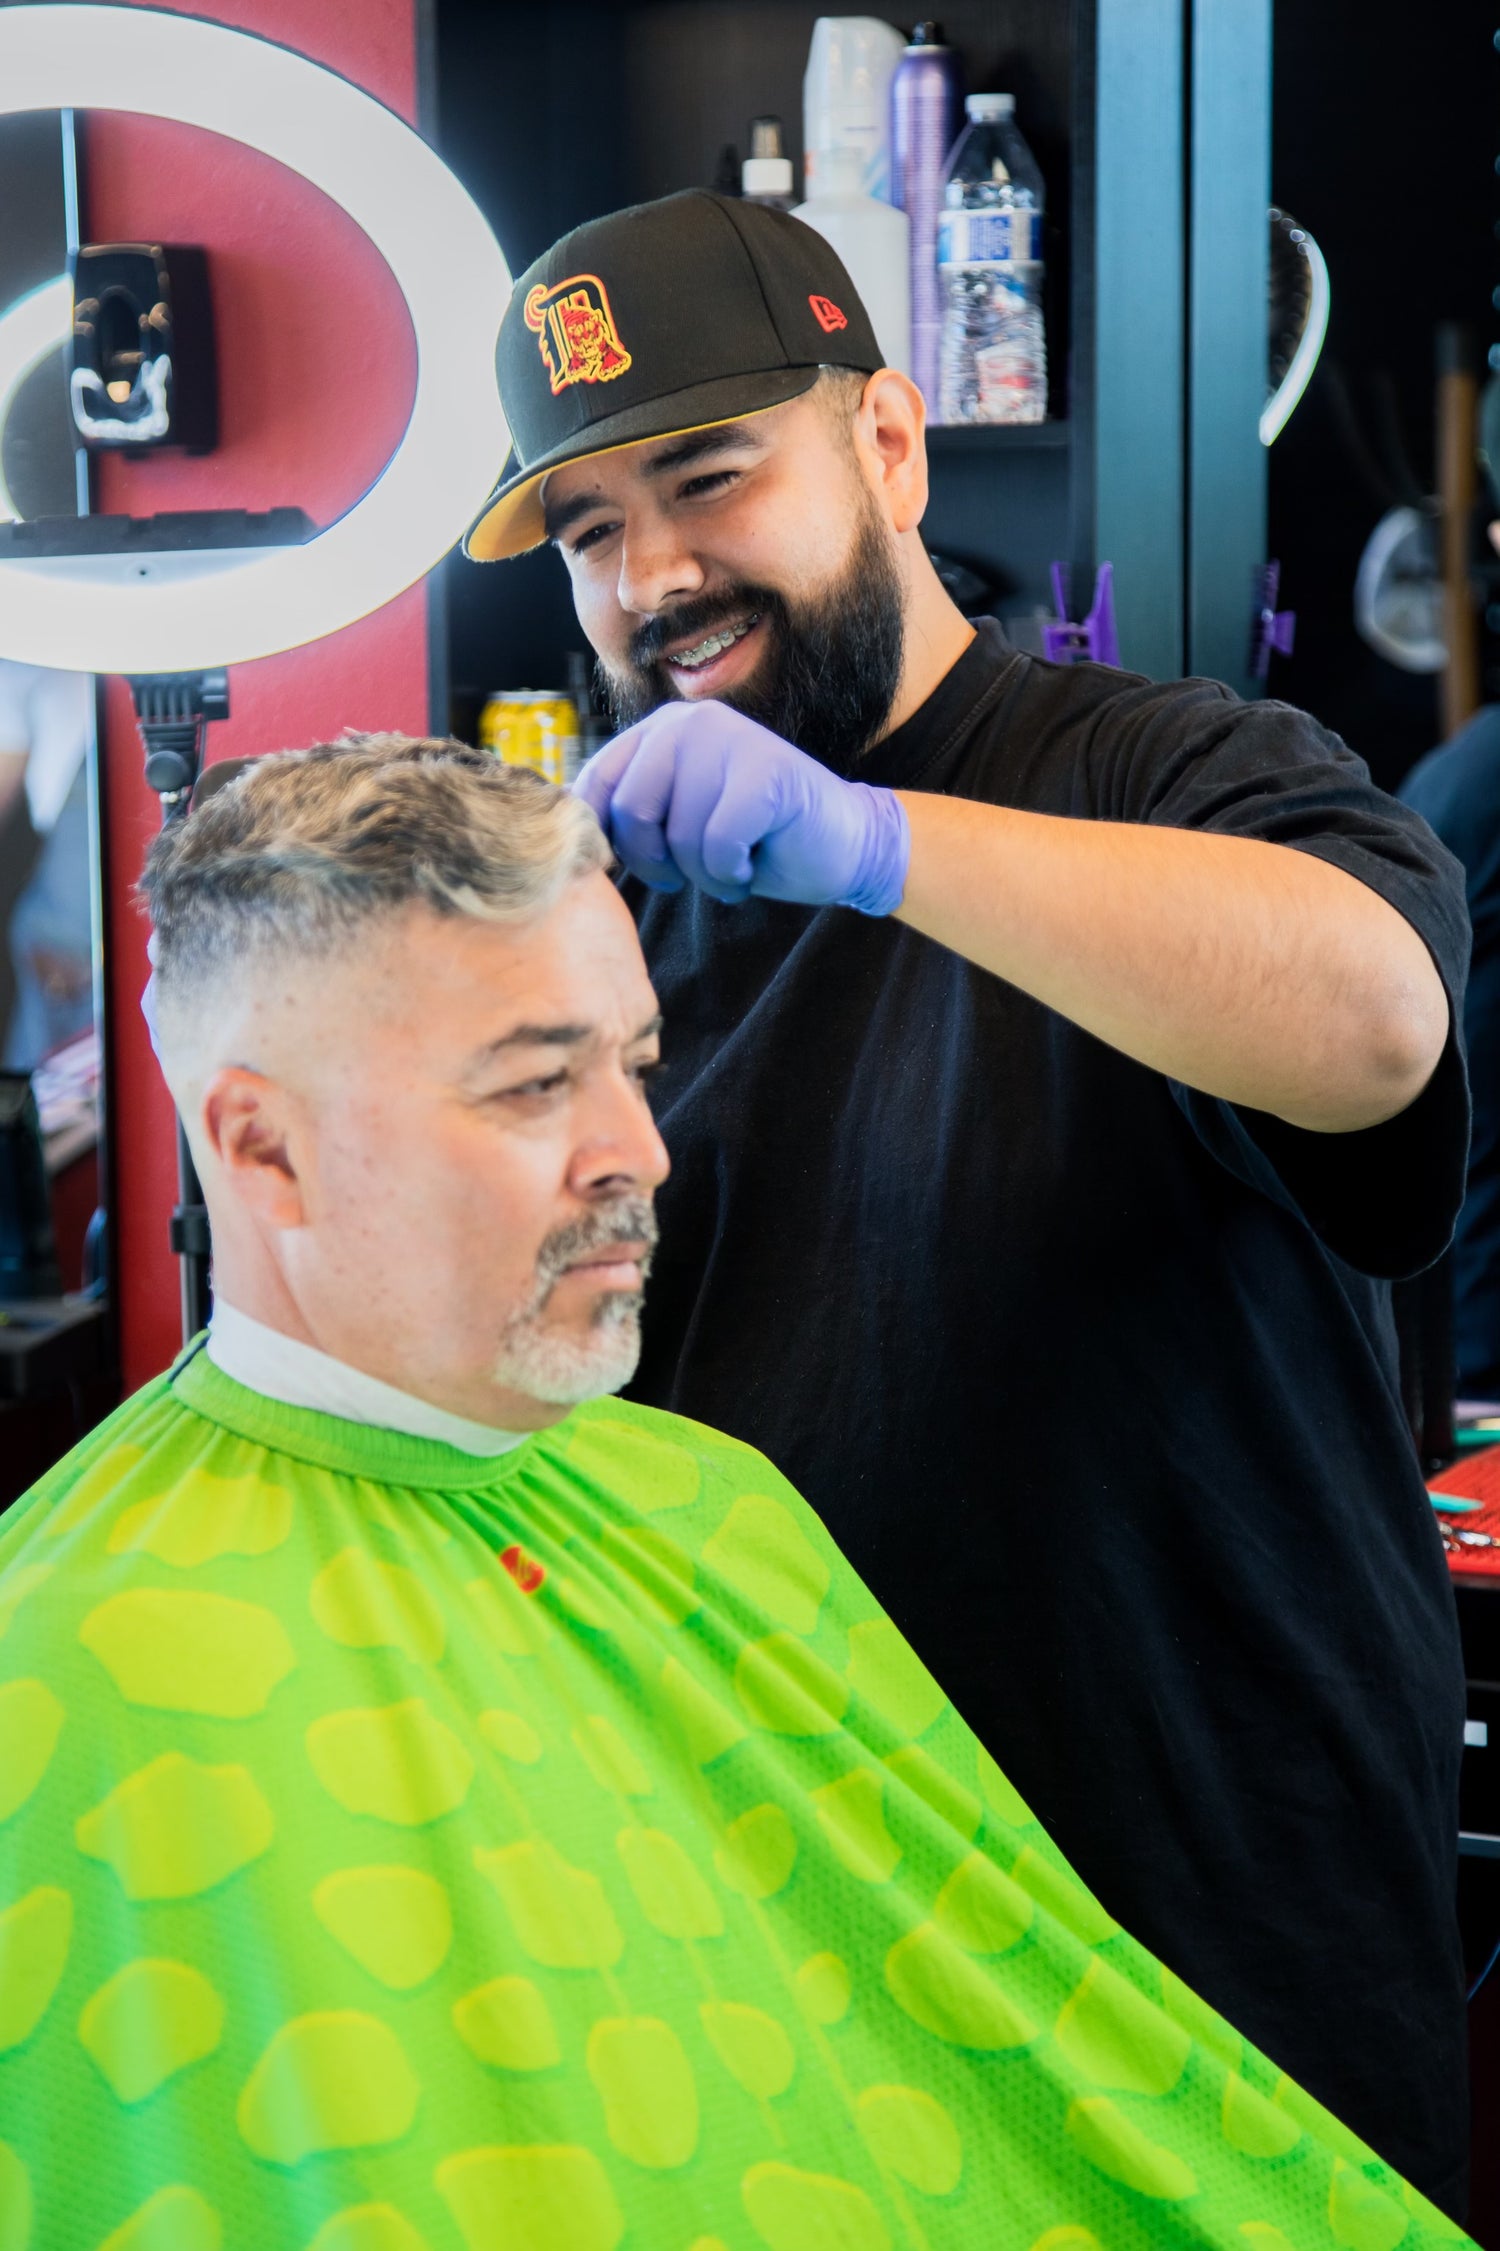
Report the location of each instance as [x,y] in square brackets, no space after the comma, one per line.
[406,1852]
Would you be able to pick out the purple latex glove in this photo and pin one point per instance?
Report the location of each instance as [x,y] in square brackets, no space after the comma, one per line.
[698,793]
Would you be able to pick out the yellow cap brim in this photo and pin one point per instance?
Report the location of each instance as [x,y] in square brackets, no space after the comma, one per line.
[511,525]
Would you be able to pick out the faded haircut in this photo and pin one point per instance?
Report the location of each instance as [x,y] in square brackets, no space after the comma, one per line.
[304,849]
[839,391]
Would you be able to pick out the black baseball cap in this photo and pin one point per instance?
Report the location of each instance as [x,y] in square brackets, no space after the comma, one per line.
[660,319]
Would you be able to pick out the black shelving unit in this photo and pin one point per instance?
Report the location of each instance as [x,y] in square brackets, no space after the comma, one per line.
[1150,119]
[996,440]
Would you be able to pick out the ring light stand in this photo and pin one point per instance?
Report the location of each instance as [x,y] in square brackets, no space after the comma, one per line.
[172,712]
[171,600]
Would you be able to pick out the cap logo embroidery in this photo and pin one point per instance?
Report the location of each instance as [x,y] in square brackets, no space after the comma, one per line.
[575,332]
[825,313]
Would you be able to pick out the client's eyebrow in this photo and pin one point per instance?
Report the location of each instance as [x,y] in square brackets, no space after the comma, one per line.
[694,445]
[552,1035]
[536,1035]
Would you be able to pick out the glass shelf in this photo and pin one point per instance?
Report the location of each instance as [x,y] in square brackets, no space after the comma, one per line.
[997,437]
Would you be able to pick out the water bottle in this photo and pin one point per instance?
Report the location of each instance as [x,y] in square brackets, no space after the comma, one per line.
[993,356]
[924,112]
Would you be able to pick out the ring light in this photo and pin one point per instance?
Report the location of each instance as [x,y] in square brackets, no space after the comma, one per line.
[445,260]
[33,326]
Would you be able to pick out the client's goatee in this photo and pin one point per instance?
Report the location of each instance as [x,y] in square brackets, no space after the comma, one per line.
[564,1368]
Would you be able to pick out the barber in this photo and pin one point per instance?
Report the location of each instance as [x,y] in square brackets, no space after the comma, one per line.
[1059,1064]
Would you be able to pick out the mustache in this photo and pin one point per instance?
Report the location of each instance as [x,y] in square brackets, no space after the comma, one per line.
[705,613]
[632,1220]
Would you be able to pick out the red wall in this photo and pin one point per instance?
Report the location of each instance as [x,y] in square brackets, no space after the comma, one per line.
[317,366]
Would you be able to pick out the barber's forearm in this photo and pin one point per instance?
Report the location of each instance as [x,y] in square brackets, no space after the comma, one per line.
[1256,973]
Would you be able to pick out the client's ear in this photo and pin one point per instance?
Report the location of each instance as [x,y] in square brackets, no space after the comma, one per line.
[246,1123]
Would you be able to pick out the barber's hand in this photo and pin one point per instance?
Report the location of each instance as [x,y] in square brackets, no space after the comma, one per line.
[699,793]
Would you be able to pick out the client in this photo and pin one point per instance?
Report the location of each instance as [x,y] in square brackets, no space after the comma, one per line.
[442,1806]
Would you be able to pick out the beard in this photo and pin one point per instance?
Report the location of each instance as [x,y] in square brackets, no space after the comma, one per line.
[828,675]
[562,1367]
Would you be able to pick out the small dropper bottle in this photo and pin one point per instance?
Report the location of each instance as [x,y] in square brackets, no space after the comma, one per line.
[766,174]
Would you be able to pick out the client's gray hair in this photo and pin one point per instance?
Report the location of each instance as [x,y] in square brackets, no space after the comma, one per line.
[300,850]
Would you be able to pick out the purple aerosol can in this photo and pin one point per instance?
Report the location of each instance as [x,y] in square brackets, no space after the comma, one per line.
[926,103]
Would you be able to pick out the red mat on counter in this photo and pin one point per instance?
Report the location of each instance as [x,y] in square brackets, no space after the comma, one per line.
[1473,1477]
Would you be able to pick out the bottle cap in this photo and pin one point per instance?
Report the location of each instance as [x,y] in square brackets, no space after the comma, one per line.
[927,34]
[766,137]
[982,108]
[766,175]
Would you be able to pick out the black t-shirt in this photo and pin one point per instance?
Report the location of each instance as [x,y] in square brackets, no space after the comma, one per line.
[1088,1376]
[1457,789]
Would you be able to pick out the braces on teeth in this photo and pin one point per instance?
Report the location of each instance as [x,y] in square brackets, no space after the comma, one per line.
[701,651]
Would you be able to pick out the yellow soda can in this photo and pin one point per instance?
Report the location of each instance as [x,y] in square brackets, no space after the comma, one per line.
[547,760]
[564,741]
[539,729]
[496,722]
[528,741]
[508,727]
[569,739]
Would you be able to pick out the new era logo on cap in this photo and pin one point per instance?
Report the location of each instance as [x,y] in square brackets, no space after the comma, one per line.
[655,321]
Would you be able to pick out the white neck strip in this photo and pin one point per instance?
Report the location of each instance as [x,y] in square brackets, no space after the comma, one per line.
[298,1375]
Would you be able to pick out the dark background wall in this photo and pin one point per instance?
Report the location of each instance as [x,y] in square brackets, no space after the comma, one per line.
[1385,136]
